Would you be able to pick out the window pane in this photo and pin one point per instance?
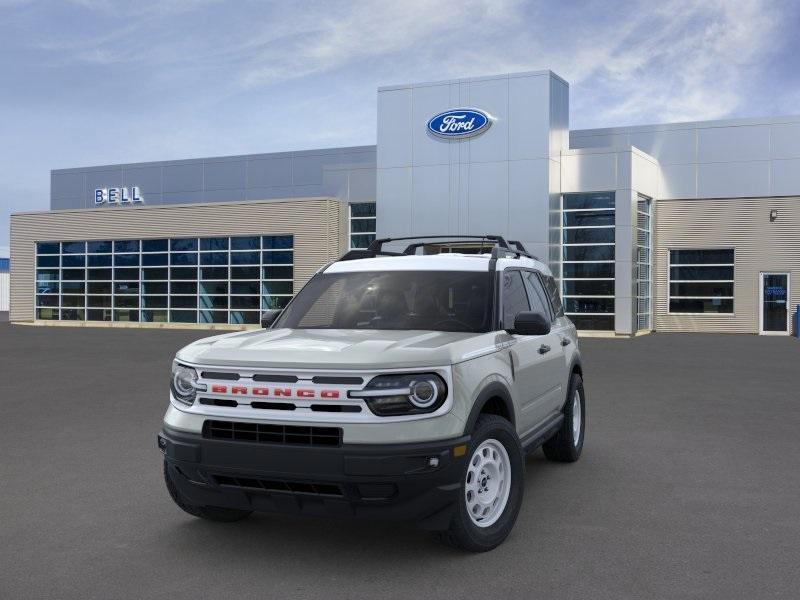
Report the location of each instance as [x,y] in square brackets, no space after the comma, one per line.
[589,236]
[214,272]
[214,258]
[588,270]
[154,287]
[126,274]
[213,316]
[217,243]
[126,301]
[73,287]
[183,316]
[126,260]
[75,260]
[99,301]
[244,287]
[98,315]
[515,300]
[183,301]
[47,261]
[588,253]
[701,289]
[49,300]
[154,245]
[183,287]
[154,316]
[154,260]
[155,274]
[276,287]
[709,305]
[701,257]
[47,274]
[47,287]
[588,218]
[592,200]
[245,243]
[589,305]
[215,302]
[48,314]
[536,294]
[154,301]
[362,225]
[183,245]
[691,273]
[244,258]
[73,274]
[245,302]
[183,273]
[278,258]
[184,258]
[362,209]
[99,274]
[100,260]
[213,287]
[47,247]
[555,298]
[278,272]
[103,287]
[73,314]
[277,242]
[272,302]
[596,322]
[73,247]
[361,241]
[245,272]
[126,315]
[239,317]
[73,301]
[98,247]
[589,288]
[126,287]
[126,246]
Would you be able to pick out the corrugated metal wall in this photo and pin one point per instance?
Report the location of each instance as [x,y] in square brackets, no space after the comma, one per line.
[319,227]
[3,291]
[742,224]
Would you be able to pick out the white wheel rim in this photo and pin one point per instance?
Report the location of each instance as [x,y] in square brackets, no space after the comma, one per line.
[488,483]
[576,418]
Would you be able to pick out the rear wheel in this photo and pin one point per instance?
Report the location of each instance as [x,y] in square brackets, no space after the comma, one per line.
[566,445]
[212,513]
[491,488]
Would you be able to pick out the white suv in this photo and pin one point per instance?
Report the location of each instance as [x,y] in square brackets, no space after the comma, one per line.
[404,385]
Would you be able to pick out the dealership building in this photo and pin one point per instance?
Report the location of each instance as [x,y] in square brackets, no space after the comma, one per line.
[672,227]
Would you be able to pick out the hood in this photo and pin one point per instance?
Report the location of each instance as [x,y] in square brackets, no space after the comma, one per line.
[334,348]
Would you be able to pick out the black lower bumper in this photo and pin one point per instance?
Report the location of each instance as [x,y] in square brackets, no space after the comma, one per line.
[410,482]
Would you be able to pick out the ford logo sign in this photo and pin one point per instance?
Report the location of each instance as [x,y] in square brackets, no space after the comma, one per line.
[459,123]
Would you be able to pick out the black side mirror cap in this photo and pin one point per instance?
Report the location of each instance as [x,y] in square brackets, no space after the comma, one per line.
[531,323]
[268,317]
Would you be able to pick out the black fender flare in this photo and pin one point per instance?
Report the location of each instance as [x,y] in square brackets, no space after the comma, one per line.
[574,367]
[495,389]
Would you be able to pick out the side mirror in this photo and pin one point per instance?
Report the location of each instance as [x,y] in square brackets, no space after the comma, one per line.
[531,323]
[268,317]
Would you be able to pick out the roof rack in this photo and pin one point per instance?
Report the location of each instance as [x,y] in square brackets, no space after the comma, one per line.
[500,248]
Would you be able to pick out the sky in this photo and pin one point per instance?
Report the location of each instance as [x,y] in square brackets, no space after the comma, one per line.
[93,82]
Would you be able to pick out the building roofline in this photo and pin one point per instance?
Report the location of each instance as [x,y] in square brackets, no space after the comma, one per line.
[687,125]
[401,86]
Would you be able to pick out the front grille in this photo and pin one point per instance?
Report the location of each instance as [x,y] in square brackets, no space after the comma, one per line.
[297,435]
[273,485]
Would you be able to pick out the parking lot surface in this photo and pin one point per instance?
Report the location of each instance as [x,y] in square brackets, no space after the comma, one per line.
[689,487]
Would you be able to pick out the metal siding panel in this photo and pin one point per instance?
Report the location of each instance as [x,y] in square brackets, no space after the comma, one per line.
[742,224]
[316,224]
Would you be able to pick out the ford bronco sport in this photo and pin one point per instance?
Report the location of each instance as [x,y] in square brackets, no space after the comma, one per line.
[405,385]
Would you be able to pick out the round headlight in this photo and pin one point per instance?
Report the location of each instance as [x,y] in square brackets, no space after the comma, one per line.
[423,393]
[184,380]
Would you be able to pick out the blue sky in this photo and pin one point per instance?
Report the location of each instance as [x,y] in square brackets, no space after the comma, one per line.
[98,82]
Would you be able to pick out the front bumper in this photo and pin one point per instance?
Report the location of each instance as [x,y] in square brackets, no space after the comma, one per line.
[417,482]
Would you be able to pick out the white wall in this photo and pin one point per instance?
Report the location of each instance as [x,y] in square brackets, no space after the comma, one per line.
[3,291]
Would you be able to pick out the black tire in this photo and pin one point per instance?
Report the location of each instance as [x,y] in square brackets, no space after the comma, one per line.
[463,533]
[212,513]
[563,447]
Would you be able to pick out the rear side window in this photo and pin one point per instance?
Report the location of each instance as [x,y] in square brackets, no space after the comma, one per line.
[537,295]
[515,299]
[552,292]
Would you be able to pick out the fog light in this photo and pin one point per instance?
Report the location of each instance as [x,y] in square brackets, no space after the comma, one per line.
[433,462]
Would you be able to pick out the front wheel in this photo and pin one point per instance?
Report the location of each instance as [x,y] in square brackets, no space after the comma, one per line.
[491,488]
[566,445]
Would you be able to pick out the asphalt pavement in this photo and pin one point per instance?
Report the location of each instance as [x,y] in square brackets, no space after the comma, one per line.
[689,487]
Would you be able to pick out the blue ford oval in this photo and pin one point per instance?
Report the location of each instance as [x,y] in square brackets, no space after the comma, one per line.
[460,123]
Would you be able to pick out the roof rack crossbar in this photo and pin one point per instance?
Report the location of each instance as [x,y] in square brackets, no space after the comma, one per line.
[497,240]
[500,248]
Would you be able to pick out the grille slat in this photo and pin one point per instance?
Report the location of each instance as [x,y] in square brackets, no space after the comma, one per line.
[271,485]
[295,435]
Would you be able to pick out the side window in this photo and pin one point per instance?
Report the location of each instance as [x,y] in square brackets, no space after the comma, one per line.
[555,297]
[537,295]
[515,300]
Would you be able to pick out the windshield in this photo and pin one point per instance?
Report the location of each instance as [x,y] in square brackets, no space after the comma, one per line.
[433,300]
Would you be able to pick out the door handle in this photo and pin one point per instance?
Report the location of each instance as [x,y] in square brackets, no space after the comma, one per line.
[565,341]
[544,349]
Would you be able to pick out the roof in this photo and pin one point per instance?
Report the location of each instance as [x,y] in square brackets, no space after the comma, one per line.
[432,262]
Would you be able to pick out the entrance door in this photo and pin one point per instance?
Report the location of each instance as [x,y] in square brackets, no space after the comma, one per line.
[774,301]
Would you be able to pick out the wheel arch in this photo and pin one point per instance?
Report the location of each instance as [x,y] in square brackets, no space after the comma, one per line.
[494,399]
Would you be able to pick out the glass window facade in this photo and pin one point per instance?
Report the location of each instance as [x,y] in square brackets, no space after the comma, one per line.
[701,281]
[362,224]
[179,280]
[643,274]
[587,261]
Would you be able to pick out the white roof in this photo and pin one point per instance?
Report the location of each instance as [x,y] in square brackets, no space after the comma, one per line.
[432,262]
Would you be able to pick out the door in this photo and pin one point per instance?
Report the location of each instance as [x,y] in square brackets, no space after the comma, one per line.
[536,359]
[774,304]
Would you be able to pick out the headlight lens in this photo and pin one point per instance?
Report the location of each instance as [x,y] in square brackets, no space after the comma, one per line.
[183,383]
[406,394]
